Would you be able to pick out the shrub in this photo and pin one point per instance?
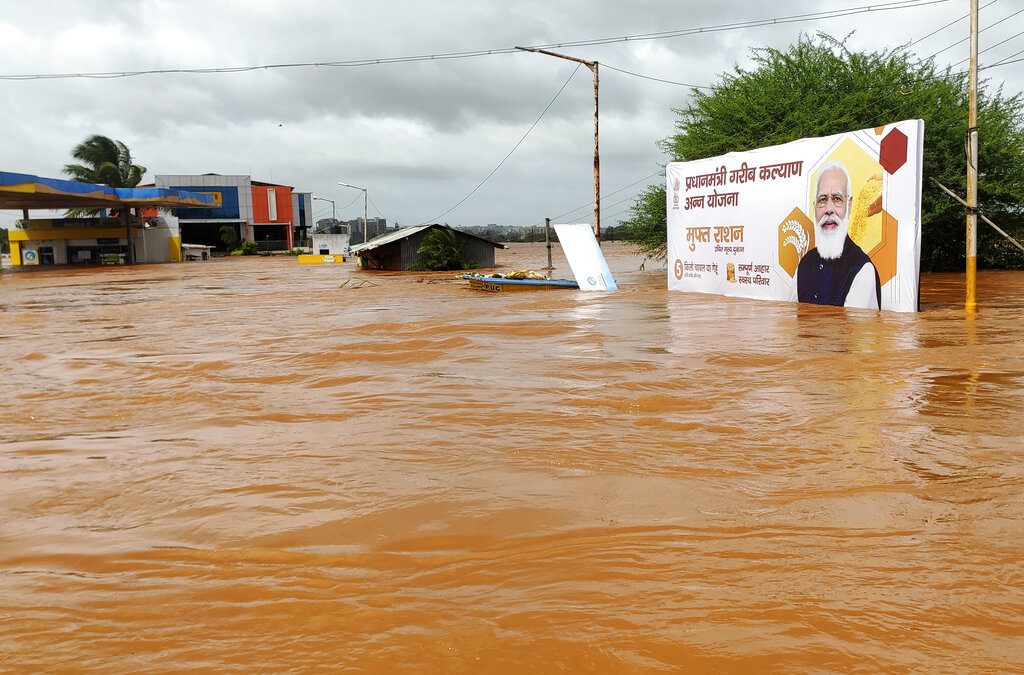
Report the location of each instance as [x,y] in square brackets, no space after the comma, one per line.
[440,250]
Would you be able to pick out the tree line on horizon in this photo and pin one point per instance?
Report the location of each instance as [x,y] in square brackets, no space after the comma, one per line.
[819,87]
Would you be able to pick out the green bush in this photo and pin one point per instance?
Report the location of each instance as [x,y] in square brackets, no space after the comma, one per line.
[440,250]
[246,248]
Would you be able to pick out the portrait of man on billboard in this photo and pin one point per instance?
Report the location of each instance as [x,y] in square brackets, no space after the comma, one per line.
[836,271]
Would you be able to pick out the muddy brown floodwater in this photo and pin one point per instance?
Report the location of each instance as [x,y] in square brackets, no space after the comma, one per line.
[251,464]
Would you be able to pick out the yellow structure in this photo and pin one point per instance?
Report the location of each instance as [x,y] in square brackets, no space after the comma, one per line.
[313,259]
[174,249]
[62,241]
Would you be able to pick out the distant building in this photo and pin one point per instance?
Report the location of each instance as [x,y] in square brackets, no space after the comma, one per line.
[396,250]
[330,226]
[374,228]
[273,216]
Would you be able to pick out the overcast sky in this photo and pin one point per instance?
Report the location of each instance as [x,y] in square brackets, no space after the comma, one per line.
[420,135]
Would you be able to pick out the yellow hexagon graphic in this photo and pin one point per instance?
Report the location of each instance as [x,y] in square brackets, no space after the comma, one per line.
[796,237]
[871,227]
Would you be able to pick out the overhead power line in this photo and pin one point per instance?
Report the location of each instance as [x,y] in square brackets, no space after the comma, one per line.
[514,148]
[657,79]
[1004,62]
[951,23]
[963,40]
[662,35]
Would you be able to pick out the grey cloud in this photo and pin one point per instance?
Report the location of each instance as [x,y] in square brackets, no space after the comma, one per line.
[419,135]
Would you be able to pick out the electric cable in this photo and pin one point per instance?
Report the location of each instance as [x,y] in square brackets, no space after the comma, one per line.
[951,23]
[741,25]
[657,79]
[1004,61]
[486,178]
[961,41]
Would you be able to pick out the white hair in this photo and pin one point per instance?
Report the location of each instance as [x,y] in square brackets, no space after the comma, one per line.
[835,165]
[830,244]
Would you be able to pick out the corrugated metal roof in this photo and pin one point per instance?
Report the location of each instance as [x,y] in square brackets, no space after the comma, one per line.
[390,237]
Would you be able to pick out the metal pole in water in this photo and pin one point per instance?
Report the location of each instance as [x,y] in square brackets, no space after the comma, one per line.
[547,240]
[972,169]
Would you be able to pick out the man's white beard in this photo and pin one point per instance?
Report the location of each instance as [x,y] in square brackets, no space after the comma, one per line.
[830,242]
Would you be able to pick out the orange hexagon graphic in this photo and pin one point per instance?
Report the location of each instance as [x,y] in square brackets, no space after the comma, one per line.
[883,255]
[796,237]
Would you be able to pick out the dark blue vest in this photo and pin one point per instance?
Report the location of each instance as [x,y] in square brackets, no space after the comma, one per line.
[826,282]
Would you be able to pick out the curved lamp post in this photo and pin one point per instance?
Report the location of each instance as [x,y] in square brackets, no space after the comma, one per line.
[356,187]
[334,216]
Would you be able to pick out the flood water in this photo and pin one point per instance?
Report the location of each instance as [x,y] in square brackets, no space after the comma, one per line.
[251,464]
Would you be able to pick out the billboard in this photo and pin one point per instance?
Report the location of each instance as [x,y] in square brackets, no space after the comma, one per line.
[831,221]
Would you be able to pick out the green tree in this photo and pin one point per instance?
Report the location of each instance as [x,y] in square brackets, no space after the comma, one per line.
[646,226]
[106,162]
[229,235]
[818,87]
[440,250]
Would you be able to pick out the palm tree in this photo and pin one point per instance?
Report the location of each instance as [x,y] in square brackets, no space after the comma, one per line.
[106,162]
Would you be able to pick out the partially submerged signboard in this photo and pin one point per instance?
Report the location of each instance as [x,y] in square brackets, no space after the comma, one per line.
[833,220]
[584,256]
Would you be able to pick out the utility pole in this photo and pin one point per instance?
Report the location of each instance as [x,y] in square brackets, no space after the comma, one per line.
[597,155]
[972,169]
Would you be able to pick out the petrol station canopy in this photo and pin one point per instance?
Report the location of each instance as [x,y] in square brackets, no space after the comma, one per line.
[25,191]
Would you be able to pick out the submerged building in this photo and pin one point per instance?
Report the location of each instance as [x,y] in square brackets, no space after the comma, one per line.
[93,241]
[275,217]
[397,250]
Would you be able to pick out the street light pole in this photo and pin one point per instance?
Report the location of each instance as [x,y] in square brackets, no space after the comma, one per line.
[334,215]
[597,155]
[356,187]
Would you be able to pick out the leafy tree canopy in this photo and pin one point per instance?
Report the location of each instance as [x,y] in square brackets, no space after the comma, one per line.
[103,161]
[106,162]
[818,87]
[440,250]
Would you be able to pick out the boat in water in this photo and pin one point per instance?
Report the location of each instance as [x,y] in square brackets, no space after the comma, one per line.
[510,283]
[583,253]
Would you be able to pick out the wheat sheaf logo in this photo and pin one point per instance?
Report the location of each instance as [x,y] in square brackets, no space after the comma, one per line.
[795,236]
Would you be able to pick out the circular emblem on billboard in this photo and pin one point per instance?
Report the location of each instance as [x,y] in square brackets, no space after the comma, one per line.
[328,258]
[30,256]
[592,281]
[678,268]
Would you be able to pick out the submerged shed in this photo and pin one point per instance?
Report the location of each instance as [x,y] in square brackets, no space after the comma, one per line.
[397,250]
